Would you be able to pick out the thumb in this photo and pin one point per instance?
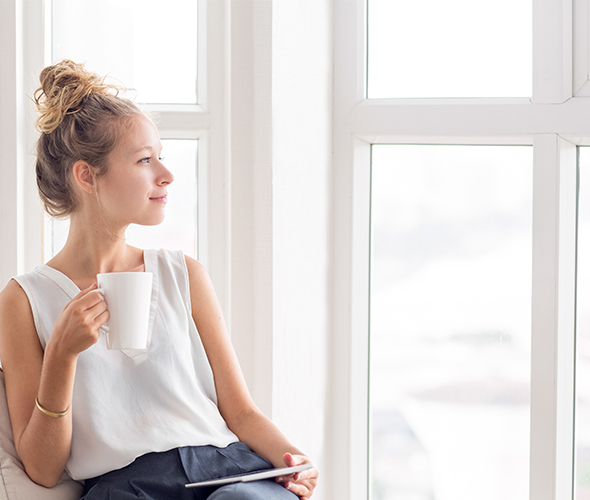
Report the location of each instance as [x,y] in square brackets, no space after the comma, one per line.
[289,460]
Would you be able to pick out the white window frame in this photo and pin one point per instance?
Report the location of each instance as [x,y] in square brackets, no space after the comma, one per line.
[24,29]
[554,122]
[581,55]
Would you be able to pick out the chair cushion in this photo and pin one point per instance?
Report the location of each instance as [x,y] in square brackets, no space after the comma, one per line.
[14,482]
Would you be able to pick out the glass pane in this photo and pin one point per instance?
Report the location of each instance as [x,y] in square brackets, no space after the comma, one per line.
[450,322]
[179,229]
[455,48]
[583,332]
[148,45]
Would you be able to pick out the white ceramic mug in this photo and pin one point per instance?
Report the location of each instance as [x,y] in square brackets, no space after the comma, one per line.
[128,297]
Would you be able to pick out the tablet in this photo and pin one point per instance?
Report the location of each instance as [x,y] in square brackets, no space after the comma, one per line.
[252,476]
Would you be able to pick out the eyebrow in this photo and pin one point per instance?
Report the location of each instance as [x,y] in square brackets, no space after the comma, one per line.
[144,148]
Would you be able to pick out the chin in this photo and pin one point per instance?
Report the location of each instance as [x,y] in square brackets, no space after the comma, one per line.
[152,221]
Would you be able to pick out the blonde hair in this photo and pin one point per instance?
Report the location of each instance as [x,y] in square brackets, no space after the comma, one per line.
[81,118]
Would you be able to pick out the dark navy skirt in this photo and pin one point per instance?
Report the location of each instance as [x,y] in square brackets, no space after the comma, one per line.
[162,476]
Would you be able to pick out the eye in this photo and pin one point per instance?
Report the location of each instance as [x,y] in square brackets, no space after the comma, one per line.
[145,160]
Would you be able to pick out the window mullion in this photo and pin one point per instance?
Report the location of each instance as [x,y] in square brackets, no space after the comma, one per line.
[360,318]
[581,40]
[553,316]
[552,51]
[215,154]
[179,122]
[346,473]
[34,13]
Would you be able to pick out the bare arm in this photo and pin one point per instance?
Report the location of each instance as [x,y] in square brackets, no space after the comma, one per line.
[43,442]
[234,400]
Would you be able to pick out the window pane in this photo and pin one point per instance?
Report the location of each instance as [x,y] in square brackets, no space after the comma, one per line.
[148,45]
[179,229]
[450,322]
[583,332]
[455,48]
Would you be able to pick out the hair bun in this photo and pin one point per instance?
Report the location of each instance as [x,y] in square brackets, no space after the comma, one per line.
[65,86]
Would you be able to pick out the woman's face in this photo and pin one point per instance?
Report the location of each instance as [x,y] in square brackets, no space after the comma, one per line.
[134,188]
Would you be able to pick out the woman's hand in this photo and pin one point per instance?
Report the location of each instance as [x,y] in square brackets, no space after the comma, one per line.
[77,327]
[301,483]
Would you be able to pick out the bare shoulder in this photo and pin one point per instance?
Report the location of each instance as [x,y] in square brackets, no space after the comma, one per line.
[199,280]
[195,268]
[18,336]
[12,293]
[14,304]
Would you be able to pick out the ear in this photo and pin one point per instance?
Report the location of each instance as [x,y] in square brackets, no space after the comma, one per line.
[84,176]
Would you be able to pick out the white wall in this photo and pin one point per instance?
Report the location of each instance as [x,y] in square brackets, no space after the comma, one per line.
[11,118]
[281,164]
[21,29]
[302,136]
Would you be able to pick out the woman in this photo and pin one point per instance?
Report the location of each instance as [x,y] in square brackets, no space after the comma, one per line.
[132,424]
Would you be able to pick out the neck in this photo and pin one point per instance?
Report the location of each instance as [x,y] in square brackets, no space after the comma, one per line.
[93,248]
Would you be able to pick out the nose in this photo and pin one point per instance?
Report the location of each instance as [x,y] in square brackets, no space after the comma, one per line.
[165,176]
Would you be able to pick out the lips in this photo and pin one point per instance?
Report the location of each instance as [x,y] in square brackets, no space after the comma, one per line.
[162,199]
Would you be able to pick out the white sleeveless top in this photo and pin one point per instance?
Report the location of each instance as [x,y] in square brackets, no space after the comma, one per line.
[128,403]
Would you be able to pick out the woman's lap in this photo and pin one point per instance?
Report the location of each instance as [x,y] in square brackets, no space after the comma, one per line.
[162,476]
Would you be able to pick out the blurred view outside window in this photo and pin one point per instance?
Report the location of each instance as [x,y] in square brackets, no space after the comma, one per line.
[583,331]
[179,229]
[118,37]
[455,48]
[450,322]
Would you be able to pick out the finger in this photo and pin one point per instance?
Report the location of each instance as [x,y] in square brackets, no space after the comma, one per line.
[101,319]
[87,294]
[283,479]
[308,474]
[93,315]
[91,299]
[94,310]
[85,291]
[298,489]
[292,460]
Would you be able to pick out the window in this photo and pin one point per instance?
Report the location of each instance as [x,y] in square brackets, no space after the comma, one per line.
[121,41]
[551,124]
[450,321]
[118,44]
[427,48]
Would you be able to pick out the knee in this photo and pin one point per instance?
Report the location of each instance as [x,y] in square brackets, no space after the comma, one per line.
[231,492]
[258,490]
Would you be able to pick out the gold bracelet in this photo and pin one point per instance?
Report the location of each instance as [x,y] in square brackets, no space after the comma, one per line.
[50,413]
